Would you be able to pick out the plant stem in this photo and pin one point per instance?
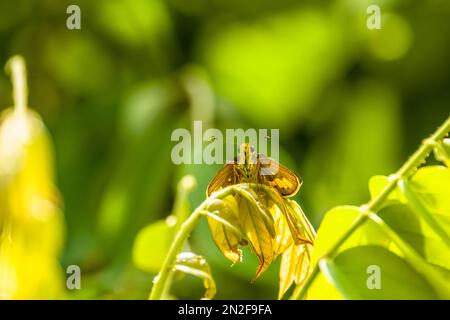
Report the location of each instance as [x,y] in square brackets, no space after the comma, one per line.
[410,166]
[177,245]
[162,279]
[16,67]
[330,253]
[374,205]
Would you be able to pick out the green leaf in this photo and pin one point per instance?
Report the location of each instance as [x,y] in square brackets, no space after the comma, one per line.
[32,229]
[352,273]
[442,152]
[197,266]
[151,246]
[432,186]
[425,213]
[446,146]
[378,183]
[428,190]
[335,223]
[335,276]
[417,234]
[399,217]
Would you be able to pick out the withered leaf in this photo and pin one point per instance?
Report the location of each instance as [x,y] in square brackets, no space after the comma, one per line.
[226,238]
[294,267]
[283,239]
[255,200]
[257,233]
[302,223]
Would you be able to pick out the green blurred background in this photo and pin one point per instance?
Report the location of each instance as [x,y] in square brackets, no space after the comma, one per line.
[349,102]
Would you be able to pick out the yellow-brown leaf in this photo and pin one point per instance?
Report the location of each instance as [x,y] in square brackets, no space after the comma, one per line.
[301,229]
[257,233]
[283,239]
[226,239]
[295,263]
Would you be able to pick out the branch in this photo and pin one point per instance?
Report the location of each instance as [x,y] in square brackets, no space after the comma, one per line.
[375,204]
[163,278]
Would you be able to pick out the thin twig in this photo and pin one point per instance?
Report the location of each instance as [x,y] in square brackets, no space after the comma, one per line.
[375,204]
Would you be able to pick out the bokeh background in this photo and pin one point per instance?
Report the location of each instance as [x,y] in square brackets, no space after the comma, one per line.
[349,102]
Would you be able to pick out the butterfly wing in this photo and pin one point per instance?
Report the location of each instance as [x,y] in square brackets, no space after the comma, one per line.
[278,176]
[226,177]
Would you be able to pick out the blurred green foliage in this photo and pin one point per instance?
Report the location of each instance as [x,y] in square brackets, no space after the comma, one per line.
[349,102]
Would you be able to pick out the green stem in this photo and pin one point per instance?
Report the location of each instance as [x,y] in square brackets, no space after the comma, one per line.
[179,214]
[375,204]
[410,166]
[16,67]
[330,253]
[163,278]
[418,207]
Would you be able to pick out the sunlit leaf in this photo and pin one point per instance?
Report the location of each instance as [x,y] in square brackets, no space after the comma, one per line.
[351,272]
[248,216]
[446,147]
[31,221]
[26,163]
[254,200]
[294,267]
[442,152]
[431,184]
[300,227]
[418,206]
[151,246]
[417,233]
[257,234]
[295,261]
[307,232]
[378,183]
[337,278]
[226,239]
[399,217]
[197,266]
[335,223]
[283,238]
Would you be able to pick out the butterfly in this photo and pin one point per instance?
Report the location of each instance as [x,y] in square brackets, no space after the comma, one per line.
[278,226]
[251,167]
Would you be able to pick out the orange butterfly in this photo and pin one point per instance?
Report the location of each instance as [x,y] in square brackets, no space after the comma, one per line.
[250,167]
